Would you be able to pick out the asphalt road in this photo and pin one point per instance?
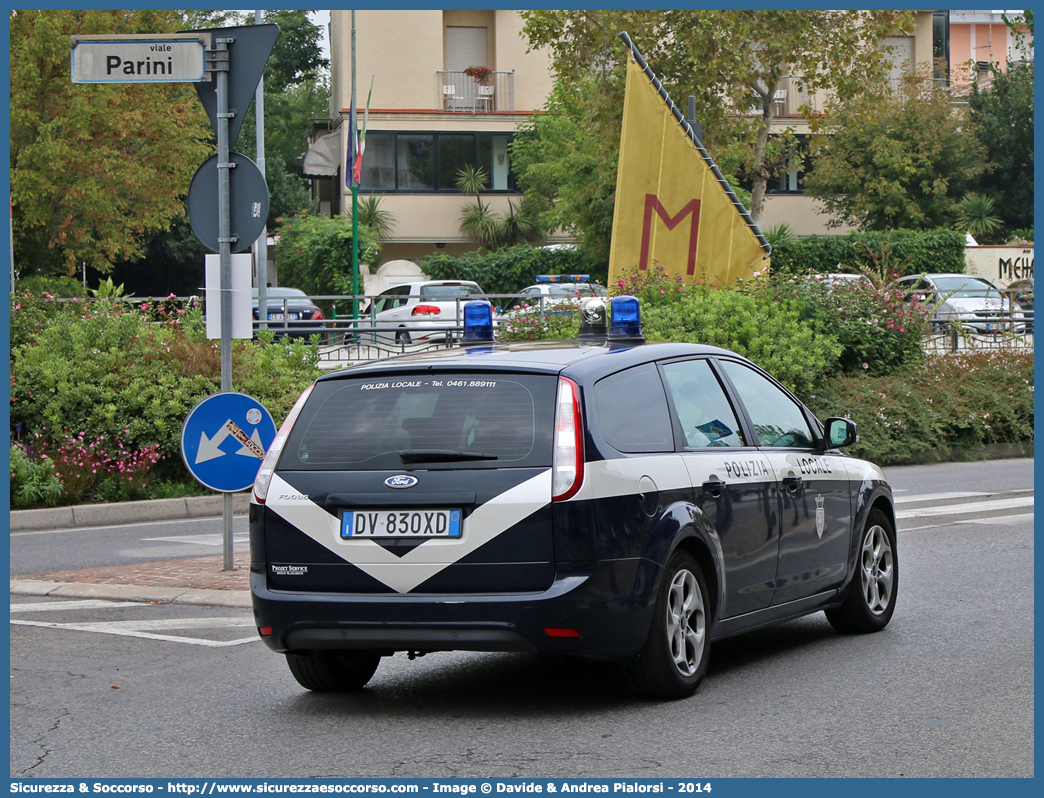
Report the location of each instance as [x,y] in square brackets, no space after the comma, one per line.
[107,689]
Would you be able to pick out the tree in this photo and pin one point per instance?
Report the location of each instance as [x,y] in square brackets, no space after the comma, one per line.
[729,61]
[95,169]
[297,92]
[1003,116]
[903,160]
[565,163]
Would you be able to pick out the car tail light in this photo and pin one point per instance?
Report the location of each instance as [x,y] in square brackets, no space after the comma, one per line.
[317,315]
[568,463]
[427,310]
[264,474]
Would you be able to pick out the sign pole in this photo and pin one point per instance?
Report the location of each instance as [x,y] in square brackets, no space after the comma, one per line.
[355,195]
[262,241]
[220,63]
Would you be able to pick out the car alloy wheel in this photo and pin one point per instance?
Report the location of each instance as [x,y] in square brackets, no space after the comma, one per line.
[876,570]
[686,622]
[870,599]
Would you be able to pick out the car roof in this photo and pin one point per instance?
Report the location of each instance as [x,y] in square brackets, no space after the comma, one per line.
[279,290]
[582,359]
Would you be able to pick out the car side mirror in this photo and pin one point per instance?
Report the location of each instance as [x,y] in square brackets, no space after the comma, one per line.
[841,432]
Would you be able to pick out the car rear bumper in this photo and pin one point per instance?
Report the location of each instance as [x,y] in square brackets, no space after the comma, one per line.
[605,613]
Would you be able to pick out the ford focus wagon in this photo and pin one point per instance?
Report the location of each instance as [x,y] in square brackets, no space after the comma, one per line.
[601,497]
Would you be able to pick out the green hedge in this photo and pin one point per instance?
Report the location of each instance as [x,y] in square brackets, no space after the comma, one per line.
[509,270]
[114,372]
[773,334]
[899,252]
[944,407]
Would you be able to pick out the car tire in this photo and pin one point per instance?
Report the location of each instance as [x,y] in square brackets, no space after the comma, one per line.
[333,671]
[870,601]
[402,338]
[674,659]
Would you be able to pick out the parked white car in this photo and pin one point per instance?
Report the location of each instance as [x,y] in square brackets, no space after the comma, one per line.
[421,312]
[965,300]
[551,290]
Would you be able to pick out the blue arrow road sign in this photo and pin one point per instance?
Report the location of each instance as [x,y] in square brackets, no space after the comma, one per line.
[224,439]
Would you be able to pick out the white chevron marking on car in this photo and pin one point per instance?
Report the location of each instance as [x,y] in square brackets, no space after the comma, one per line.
[403,574]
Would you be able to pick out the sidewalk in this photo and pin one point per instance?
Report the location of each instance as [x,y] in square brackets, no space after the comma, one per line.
[194,580]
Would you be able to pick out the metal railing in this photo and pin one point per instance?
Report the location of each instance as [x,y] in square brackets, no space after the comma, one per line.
[461,93]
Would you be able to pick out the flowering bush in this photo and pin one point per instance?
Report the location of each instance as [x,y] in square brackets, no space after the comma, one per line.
[82,463]
[131,376]
[527,324]
[33,480]
[877,331]
[653,287]
[945,406]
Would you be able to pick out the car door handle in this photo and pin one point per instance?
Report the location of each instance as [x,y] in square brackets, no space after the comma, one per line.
[792,483]
[714,487]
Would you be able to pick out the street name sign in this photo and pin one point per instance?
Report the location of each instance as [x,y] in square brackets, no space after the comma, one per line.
[223,440]
[139,58]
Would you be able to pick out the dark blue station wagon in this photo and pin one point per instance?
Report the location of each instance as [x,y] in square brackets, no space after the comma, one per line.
[601,497]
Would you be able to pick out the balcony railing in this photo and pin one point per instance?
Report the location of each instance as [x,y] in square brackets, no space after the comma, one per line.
[460,93]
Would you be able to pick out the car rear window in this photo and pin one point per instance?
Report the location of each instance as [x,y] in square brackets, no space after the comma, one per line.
[428,421]
[449,291]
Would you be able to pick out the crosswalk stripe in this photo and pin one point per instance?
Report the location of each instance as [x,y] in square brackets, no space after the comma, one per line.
[137,629]
[938,497]
[85,604]
[964,509]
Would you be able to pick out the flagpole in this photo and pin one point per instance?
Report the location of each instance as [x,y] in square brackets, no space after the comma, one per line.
[355,194]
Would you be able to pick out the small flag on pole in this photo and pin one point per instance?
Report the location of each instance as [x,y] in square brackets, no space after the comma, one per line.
[357,173]
[349,172]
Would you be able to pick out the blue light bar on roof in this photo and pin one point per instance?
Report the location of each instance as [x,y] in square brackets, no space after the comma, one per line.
[626,320]
[478,322]
[563,278]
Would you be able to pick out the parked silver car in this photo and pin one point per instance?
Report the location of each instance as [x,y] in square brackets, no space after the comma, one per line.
[966,300]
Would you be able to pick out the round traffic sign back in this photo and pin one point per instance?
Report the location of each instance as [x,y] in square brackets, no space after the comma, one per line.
[223,440]
[248,197]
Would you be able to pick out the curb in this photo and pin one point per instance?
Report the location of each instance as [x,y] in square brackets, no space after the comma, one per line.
[85,515]
[160,595]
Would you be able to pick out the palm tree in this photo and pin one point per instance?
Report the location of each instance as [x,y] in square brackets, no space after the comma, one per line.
[975,216]
[381,222]
[477,221]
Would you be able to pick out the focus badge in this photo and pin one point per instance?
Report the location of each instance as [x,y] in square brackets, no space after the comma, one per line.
[401,481]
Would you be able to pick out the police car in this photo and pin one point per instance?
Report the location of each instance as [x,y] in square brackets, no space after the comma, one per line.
[602,497]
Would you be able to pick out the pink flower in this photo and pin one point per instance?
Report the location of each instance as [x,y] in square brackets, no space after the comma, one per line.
[866,365]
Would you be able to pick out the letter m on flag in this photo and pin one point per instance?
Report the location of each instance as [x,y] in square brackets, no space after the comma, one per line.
[692,210]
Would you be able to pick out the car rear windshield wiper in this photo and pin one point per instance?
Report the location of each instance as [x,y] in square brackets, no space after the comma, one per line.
[442,456]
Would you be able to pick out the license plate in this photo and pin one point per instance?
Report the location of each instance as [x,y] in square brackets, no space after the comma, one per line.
[400,524]
[282,317]
[991,327]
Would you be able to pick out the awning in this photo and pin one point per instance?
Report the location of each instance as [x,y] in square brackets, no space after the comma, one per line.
[323,158]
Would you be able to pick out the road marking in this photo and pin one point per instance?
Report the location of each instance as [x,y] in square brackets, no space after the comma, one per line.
[214,539]
[938,497]
[970,507]
[85,604]
[109,527]
[140,629]
[1004,520]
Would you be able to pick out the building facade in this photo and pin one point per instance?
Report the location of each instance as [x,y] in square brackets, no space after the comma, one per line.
[451,87]
[449,90]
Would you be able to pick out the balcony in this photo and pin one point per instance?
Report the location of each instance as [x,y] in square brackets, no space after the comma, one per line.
[461,93]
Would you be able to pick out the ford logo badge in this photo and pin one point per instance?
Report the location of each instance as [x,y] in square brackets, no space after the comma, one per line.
[401,481]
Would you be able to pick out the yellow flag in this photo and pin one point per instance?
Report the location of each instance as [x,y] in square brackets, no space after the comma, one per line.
[671,209]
